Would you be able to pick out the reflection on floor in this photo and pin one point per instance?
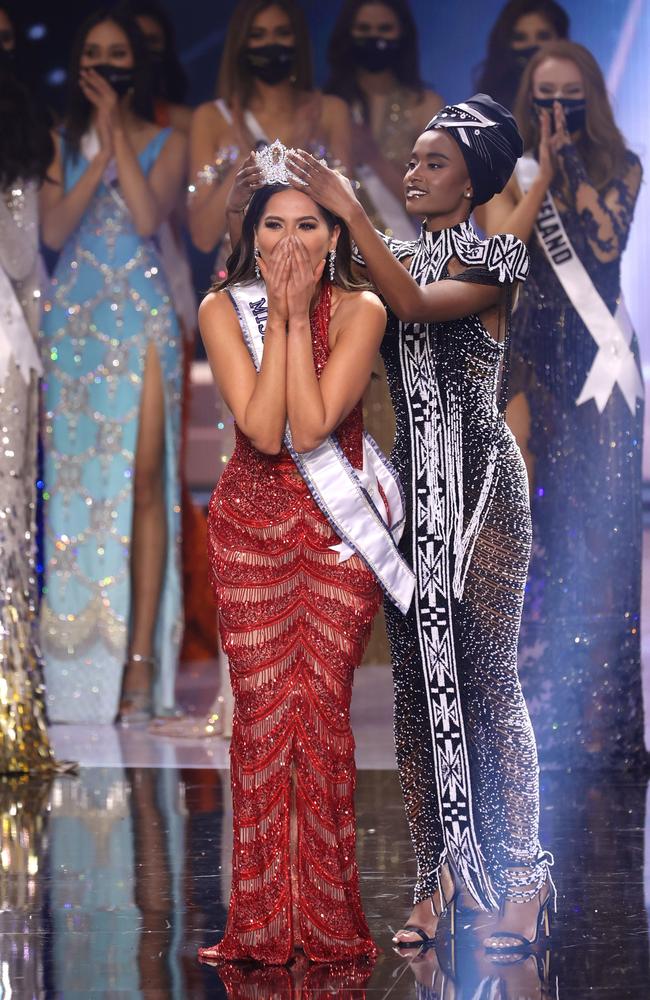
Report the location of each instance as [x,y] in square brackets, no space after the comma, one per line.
[111,880]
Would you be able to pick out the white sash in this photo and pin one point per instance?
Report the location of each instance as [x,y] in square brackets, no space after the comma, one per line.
[348,497]
[250,121]
[614,362]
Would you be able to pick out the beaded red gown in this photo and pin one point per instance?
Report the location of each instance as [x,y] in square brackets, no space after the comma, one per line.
[294,624]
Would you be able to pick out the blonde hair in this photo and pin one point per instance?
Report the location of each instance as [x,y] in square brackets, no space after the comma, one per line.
[601,145]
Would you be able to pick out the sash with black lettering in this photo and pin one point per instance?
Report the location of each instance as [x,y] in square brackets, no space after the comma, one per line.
[614,362]
[348,497]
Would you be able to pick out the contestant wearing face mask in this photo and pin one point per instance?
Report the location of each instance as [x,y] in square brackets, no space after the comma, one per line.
[374,66]
[111,616]
[577,412]
[265,90]
[303,524]
[520,29]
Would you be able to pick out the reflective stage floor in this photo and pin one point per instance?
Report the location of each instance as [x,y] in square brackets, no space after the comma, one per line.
[110,880]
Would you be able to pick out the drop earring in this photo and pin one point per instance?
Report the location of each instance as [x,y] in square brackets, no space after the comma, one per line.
[332,264]
[258,273]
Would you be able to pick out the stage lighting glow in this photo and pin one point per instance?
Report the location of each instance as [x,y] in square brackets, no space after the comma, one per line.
[36,32]
[56,77]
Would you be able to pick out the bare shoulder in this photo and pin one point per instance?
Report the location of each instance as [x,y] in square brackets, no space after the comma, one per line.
[180,117]
[207,118]
[217,307]
[334,107]
[362,305]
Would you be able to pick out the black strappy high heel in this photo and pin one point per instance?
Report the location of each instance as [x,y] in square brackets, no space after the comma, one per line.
[448,905]
[516,943]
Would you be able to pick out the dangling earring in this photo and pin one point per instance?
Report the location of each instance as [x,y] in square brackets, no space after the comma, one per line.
[258,273]
[332,263]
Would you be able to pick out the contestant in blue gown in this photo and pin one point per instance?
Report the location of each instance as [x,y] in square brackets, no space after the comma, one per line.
[108,304]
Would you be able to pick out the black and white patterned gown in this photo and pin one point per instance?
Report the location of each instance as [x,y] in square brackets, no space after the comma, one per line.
[465,747]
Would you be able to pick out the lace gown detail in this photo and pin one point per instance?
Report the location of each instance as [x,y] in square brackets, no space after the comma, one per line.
[294,623]
[580,651]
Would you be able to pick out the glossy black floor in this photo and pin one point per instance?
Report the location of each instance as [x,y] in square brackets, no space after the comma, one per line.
[110,881]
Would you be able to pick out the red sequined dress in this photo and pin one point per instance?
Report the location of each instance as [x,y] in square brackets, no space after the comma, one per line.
[294,624]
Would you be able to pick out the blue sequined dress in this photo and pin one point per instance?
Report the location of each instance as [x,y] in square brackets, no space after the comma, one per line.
[108,301]
[580,649]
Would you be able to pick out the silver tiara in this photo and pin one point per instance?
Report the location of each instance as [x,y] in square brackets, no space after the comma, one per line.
[272,161]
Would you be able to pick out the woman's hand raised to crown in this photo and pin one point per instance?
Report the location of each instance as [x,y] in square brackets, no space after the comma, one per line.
[247,181]
[327,187]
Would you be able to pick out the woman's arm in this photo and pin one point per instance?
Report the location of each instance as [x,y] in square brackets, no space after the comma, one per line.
[247,180]
[210,184]
[443,300]
[61,211]
[257,401]
[315,408]
[150,199]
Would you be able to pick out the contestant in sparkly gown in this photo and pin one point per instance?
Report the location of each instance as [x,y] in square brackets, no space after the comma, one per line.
[465,746]
[112,349]
[24,743]
[580,428]
[296,603]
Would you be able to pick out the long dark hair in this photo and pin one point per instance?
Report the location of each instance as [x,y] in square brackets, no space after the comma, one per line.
[499,74]
[172,79]
[79,110]
[235,83]
[601,145]
[342,79]
[27,149]
[240,266]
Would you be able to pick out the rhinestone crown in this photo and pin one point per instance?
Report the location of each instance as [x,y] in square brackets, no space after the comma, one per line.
[272,161]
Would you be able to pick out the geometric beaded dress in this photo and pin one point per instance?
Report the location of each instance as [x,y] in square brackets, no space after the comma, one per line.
[108,301]
[465,747]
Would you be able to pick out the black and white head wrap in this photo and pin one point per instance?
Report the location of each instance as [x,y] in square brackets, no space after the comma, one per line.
[488,138]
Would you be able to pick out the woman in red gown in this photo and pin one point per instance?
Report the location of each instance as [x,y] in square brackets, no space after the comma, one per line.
[295,607]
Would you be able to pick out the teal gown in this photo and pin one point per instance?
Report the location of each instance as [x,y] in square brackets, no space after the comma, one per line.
[107,302]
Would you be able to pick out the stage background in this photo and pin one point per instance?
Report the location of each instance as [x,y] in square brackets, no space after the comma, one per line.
[452,43]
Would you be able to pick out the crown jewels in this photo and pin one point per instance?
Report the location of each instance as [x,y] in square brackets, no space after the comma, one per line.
[272,161]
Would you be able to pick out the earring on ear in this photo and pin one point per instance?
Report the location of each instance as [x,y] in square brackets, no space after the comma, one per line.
[258,273]
[468,194]
[332,263]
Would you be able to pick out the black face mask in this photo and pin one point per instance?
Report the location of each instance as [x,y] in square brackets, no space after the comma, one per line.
[575,111]
[376,54]
[270,63]
[523,56]
[121,78]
